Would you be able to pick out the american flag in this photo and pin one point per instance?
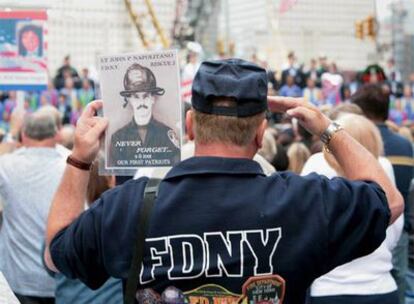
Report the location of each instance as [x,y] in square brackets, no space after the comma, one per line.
[286,5]
[186,90]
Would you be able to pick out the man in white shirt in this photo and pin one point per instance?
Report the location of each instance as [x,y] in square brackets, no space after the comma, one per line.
[28,179]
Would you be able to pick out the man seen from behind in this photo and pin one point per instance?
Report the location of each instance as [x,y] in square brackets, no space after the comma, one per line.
[217,218]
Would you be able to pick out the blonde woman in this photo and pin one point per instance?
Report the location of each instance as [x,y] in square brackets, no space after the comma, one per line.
[367,279]
[298,154]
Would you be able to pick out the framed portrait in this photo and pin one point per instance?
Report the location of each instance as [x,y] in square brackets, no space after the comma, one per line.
[141,99]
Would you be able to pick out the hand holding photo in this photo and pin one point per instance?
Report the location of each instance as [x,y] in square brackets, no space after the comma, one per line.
[143,111]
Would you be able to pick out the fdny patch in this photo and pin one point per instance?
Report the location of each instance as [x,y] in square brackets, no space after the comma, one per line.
[211,294]
[264,290]
[148,296]
[172,295]
[268,289]
[173,138]
[169,295]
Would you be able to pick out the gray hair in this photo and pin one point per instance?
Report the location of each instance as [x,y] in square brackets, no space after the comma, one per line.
[39,126]
[67,134]
[51,110]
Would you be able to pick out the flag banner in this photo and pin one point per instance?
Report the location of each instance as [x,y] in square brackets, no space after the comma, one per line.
[23,50]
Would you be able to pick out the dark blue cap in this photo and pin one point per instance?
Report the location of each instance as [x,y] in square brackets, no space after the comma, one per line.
[237,78]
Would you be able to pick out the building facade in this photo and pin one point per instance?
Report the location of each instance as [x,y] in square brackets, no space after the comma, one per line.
[402,36]
[86,29]
[310,28]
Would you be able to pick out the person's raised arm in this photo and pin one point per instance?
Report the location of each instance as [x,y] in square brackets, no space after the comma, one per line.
[68,202]
[357,162]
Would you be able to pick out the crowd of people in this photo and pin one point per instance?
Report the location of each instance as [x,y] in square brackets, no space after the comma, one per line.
[320,82]
[374,107]
[324,85]
[69,92]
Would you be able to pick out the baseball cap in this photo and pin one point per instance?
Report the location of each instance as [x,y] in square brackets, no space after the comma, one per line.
[242,80]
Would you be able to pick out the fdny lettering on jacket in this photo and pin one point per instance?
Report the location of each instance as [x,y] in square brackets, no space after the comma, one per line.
[189,256]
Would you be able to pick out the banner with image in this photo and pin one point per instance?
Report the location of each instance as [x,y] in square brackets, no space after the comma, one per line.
[23,50]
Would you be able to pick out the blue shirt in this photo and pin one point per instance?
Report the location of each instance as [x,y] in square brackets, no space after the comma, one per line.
[73,291]
[397,146]
[222,221]
[293,91]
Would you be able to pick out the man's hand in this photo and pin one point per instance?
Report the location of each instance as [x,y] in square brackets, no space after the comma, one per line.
[69,199]
[309,116]
[356,162]
[89,130]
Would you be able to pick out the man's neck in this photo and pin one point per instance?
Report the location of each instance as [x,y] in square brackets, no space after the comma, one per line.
[222,150]
[46,143]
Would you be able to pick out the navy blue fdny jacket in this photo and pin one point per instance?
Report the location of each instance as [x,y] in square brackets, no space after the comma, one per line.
[220,226]
[396,146]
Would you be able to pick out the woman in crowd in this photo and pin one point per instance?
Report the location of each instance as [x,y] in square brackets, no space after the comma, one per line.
[298,154]
[368,279]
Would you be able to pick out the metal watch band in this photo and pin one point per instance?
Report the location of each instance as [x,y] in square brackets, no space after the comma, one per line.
[78,164]
[329,132]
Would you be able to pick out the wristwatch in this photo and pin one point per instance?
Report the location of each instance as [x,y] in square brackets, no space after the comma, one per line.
[329,132]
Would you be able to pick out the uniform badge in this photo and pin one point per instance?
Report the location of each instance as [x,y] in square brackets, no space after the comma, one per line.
[173,138]
[172,295]
[211,294]
[148,296]
[264,290]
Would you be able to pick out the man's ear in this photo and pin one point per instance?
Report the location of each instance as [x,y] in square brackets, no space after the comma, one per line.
[260,133]
[189,124]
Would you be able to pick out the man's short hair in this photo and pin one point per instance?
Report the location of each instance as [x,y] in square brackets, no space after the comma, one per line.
[39,126]
[373,102]
[232,130]
[67,136]
[53,112]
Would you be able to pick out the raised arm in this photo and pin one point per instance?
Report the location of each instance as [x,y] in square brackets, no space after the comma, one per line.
[357,162]
[68,202]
